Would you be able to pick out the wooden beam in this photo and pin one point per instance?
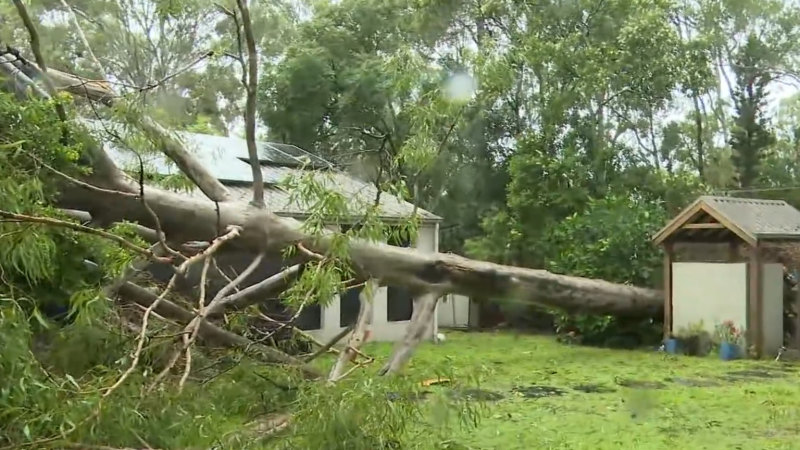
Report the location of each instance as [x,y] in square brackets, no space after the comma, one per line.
[755,304]
[703,226]
[733,251]
[797,317]
[668,258]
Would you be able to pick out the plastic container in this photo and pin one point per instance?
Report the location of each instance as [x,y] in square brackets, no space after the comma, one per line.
[728,351]
[672,346]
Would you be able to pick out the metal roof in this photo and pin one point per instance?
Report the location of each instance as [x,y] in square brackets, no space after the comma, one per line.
[758,217]
[226,159]
[751,219]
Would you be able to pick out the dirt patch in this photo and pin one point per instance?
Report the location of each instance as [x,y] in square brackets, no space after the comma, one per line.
[694,382]
[476,395]
[594,389]
[641,384]
[536,391]
[778,367]
[754,374]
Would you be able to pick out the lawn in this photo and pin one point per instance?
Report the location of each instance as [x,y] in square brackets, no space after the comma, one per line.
[689,402]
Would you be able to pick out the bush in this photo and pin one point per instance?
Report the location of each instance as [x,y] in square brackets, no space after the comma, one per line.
[610,240]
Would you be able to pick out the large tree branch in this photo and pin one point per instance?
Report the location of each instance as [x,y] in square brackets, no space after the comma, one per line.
[360,331]
[188,219]
[418,328]
[192,219]
[256,293]
[169,144]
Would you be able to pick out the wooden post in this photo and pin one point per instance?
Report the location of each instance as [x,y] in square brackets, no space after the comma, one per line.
[755,301]
[797,316]
[668,258]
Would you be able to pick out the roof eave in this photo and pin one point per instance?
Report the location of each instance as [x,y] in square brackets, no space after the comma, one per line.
[701,204]
[778,236]
[661,235]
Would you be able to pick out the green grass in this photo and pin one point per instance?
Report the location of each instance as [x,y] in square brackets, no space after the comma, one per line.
[750,413]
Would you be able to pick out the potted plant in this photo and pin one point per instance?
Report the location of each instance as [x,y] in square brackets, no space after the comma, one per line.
[694,340]
[730,340]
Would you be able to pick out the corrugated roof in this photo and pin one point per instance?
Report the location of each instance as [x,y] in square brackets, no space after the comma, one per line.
[226,159]
[758,217]
[751,219]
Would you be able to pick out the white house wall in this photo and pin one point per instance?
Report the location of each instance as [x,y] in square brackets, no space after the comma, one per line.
[453,311]
[381,328]
[772,288]
[708,292]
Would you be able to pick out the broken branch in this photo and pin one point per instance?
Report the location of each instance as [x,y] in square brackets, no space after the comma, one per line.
[22,218]
[181,271]
[360,332]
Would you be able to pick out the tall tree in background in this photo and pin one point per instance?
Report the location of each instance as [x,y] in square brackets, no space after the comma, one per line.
[751,136]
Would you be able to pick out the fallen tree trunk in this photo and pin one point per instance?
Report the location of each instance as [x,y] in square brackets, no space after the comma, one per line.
[187,219]
[190,219]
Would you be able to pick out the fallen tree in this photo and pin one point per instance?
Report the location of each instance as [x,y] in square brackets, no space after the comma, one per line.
[185,218]
[94,195]
[109,195]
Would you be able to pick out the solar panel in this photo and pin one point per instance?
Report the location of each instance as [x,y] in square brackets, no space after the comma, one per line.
[225,157]
[293,155]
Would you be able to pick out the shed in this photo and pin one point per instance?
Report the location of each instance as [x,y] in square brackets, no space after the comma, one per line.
[227,159]
[724,259]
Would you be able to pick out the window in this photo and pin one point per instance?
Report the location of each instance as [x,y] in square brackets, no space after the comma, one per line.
[310,318]
[399,301]
[349,305]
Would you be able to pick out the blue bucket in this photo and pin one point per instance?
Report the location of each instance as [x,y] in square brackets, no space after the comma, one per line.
[728,351]
[672,346]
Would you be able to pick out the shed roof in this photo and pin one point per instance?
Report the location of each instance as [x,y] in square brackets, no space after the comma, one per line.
[227,159]
[750,219]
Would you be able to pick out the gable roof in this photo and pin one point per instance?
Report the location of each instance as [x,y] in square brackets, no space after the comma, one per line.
[749,218]
[227,159]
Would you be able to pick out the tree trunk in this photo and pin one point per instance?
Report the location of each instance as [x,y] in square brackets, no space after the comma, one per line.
[190,219]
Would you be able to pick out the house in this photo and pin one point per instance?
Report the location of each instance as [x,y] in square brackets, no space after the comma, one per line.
[226,158]
[727,259]
[457,311]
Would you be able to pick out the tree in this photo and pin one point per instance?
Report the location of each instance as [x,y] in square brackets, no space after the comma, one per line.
[120,199]
[751,137]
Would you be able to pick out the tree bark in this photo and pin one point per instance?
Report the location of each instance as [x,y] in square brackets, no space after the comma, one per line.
[360,330]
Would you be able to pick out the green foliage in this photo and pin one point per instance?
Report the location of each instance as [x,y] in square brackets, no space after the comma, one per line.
[751,137]
[610,240]
[594,243]
[365,412]
[53,399]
